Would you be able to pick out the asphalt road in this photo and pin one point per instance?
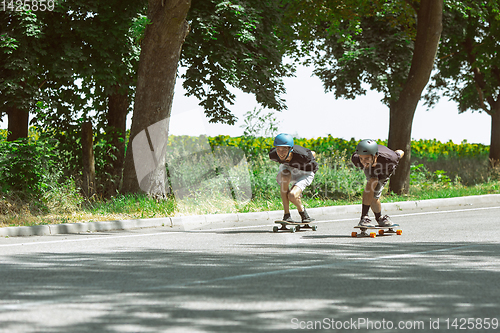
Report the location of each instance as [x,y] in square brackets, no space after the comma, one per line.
[442,274]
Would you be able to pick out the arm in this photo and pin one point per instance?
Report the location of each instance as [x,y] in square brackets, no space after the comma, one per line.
[313,153]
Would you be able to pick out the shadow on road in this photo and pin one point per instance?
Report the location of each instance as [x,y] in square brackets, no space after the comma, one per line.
[279,289]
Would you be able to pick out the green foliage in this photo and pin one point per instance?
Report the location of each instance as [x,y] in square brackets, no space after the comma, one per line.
[336,178]
[42,183]
[42,171]
[421,149]
[418,174]
[233,44]
[28,167]
[137,205]
[62,196]
[97,56]
[433,149]
[421,177]
[258,123]
[138,28]
[260,146]
[20,52]
[354,42]
[67,139]
[468,56]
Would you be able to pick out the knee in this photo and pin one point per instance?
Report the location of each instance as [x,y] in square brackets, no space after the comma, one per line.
[293,195]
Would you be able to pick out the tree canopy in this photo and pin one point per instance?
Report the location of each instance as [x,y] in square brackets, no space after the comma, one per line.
[468,70]
[234,43]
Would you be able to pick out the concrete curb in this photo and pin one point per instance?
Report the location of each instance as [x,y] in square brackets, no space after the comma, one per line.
[185,223]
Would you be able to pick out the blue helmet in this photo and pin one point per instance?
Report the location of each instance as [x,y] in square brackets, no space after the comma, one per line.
[283,140]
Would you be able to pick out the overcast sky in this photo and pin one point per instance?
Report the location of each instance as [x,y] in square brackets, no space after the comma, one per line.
[313,113]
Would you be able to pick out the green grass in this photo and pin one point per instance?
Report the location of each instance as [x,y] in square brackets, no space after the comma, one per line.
[125,207]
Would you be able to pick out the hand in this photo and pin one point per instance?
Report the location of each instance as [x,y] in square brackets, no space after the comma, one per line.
[401,153]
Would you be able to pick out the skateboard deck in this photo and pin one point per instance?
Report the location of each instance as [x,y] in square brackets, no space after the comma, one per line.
[294,226]
[381,231]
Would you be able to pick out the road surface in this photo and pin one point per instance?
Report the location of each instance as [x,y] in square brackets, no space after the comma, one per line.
[442,274]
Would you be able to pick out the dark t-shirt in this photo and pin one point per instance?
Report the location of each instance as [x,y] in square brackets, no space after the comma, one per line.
[302,159]
[387,161]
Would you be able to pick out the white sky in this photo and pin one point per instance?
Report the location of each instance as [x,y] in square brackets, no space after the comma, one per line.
[313,113]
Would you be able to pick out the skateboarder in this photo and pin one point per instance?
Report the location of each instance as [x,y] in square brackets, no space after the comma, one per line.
[297,167]
[379,163]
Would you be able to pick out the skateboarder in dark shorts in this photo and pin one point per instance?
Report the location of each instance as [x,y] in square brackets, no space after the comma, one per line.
[297,167]
[379,163]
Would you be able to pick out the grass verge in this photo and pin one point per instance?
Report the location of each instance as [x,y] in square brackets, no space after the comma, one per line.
[125,207]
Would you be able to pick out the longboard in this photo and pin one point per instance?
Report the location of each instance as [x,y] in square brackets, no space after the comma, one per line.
[295,226]
[381,231]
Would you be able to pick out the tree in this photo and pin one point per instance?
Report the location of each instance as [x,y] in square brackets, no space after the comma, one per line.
[468,62]
[108,74]
[230,43]
[160,53]
[89,60]
[20,75]
[389,45]
[402,108]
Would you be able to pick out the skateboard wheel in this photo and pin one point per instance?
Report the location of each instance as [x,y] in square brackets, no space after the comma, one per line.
[297,228]
[354,234]
[373,234]
[381,232]
[399,232]
[314,227]
[293,229]
[275,229]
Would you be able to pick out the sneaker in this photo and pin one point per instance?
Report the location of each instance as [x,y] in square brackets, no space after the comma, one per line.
[385,221]
[365,222]
[287,218]
[305,217]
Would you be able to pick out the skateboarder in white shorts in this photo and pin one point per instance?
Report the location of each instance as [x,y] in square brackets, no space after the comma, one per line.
[297,167]
[379,163]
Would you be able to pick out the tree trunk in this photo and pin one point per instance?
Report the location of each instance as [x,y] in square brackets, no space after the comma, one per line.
[400,124]
[17,124]
[495,135]
[88,160]
[116,129]
[160,53]
[402,111]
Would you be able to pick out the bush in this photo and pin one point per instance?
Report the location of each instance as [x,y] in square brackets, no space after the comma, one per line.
[28,166]
[32,180]
[336,178]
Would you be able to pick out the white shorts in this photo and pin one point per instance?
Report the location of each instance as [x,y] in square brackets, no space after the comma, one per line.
[300,178]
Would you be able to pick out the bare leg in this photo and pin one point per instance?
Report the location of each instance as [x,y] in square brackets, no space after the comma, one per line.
[284,180]
[294,196]
[369,193]
[376,206]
